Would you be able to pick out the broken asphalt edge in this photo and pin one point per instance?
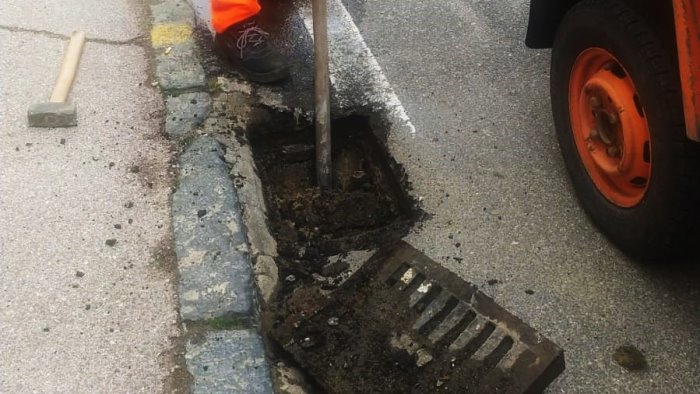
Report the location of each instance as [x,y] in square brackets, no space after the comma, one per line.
[224,350]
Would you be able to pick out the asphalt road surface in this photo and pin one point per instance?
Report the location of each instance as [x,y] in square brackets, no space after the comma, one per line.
[485,158]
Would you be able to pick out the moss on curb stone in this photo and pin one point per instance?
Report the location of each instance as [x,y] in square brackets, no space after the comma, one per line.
[227,323]
[213,85]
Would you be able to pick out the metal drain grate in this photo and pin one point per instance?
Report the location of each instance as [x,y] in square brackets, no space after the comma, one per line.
[404,324]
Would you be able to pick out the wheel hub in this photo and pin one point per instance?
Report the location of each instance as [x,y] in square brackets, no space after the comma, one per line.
[605,122]
[610,131]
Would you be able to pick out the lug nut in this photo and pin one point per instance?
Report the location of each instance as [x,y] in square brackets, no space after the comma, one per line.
[595,102]
[613,151]
[594,135]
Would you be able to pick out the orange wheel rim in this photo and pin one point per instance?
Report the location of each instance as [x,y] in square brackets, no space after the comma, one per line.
[609,127]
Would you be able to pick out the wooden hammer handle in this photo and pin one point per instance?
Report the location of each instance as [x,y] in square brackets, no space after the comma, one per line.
[68,68]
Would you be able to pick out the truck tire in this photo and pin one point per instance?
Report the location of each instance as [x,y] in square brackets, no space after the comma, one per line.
[618,114]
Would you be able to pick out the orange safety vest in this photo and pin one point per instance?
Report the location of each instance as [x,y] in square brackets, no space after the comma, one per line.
[225,13]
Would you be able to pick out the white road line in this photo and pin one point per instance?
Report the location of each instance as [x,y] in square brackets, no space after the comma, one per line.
[352,61]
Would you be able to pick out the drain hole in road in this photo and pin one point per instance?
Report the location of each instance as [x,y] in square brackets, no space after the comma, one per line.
[439,317]
[452,335]
[475,343]
[366,206]
[426,293]
[416,281]
[396,276]
[498,354]
[317,231]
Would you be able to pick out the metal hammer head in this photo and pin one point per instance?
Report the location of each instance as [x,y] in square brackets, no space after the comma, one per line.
[53,115]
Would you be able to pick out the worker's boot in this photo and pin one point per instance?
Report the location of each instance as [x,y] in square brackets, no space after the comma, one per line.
[247,47]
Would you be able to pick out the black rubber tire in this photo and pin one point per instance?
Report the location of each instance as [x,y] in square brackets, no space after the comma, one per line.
[664,224]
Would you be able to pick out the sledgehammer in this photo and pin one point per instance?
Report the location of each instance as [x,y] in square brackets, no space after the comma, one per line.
[57,112]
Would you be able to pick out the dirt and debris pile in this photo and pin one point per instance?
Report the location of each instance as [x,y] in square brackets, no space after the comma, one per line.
[365,206]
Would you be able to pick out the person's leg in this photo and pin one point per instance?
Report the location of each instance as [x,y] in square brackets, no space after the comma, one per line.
[226,13]
[239,40]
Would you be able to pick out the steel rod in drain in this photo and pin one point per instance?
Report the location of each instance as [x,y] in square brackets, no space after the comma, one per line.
[322,95]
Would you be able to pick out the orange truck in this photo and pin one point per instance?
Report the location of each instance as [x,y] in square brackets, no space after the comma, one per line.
[625,93]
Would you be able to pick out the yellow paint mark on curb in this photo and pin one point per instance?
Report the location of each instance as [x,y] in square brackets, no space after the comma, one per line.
[170,34]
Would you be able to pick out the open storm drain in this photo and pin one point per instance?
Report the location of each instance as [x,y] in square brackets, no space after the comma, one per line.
[404,324]
[366,206]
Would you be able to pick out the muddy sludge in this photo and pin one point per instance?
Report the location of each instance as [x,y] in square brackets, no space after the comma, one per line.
[366,207]
[317,233]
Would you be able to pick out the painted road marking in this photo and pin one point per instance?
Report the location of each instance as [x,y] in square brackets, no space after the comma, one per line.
[348,51]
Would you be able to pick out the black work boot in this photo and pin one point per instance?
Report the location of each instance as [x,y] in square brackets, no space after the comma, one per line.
[246,47]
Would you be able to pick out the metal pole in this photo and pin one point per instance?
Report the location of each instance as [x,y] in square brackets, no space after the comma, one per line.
[322,95]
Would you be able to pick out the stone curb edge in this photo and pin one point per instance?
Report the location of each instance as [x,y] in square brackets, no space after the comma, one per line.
[224,350]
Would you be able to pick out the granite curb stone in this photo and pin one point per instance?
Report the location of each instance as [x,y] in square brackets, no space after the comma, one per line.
[176,58]
[172,11]
[211,244]
[178,68]
[212,251]
[185,113]
[217,368]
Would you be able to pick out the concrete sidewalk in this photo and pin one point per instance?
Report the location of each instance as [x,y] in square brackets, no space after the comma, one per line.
[87,271]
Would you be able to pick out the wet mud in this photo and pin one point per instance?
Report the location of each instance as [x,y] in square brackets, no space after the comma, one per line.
[366,206]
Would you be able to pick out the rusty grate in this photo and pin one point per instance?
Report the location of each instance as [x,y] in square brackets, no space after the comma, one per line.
[404,324]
